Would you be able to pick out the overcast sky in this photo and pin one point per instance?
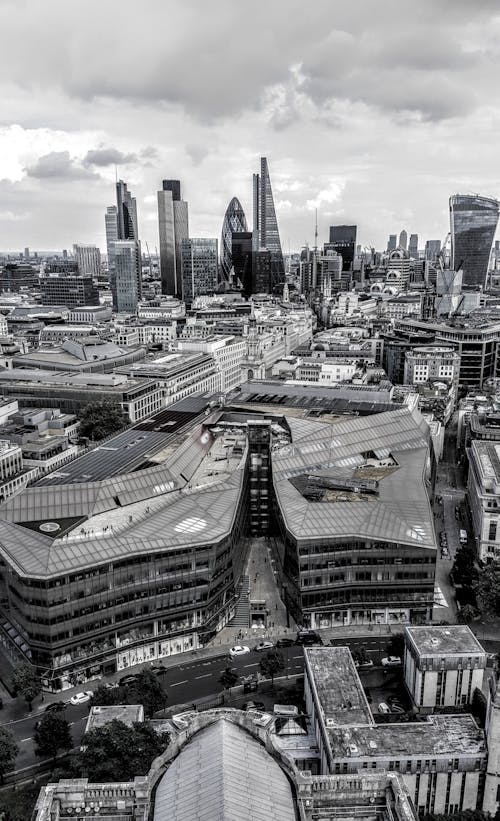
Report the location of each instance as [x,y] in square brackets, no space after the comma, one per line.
[373,111]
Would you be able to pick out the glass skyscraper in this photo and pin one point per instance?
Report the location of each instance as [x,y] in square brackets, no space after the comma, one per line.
[173,228]
[125,275]
[343,241]
[265,224]
[235,221]
[199,267]
[473,223]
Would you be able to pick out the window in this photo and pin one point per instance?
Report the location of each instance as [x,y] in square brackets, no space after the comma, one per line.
[493,531]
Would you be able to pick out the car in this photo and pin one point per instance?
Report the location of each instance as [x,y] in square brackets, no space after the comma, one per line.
[81,698]
[130,679]
[285,643]
[384,708]
[55,707]
[253,705]
[263,645]
[391,661]
[111,685]
[363,665]
[445,552]
[308,637]
[397,709]
[238,650]
[158,669]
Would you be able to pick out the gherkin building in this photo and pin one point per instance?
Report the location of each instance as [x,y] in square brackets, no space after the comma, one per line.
[234,222]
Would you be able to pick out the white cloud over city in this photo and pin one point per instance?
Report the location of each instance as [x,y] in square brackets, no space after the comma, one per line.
[372,113]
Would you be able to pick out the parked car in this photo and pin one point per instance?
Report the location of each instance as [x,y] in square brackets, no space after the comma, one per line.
[238,650]
[308,637]
[263,645]
[253,705]
[384,708]
[445,552]
[158,669]
[55,707]
[111,685]
[81,698]
[285,643]
[130,679]
[363,665]
[457,511]
[391,661]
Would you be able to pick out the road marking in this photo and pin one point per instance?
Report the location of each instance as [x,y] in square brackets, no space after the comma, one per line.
[30,738]
[177,683]
[252,665]
[207,675]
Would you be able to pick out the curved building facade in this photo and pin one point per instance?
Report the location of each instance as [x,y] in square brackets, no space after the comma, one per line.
[235,222]
[473,223]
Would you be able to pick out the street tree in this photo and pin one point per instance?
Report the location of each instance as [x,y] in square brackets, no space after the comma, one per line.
[8,752]
[116,752]
[101,419]
[26,682]
[147,690]
[228,678]
[396,645]
[271,664]
[106,696]
[464,567]
[467,614]
[487,589]
[52,735]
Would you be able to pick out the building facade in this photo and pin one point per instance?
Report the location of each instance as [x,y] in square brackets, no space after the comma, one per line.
[199,268]
[126,276]
[173,228]
[473,223]
[235,221]
[72,290]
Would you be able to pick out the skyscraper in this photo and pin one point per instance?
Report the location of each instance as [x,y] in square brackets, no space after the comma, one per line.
[413,246]
[432,249]
[403,240]
[199,267]
[343,241]
[111,223]
[126,212]
[265,224]
[241,253]
[392,242]
[88,259]
[126,275]
[173,228]
[235,221]
[473,222]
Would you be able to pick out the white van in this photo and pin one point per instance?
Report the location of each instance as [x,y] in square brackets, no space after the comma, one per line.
[463,537]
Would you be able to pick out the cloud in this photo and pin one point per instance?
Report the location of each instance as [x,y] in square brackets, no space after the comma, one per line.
[59,166]
[196,153]
[108,156]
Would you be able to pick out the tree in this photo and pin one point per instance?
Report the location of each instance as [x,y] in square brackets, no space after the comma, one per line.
[8,752]
[52,735]
[147,690]
[228,678]
[467,614]
[487,589]
[116,752]
[272,663]
[396,645]
[26,683]
[464,567]
[106,696]
[101,419]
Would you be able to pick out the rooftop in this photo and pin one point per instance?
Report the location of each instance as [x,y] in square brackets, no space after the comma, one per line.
[455,639]
[338,688]
[128,714]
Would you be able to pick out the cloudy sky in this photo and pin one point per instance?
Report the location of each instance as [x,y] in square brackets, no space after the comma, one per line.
[372,111]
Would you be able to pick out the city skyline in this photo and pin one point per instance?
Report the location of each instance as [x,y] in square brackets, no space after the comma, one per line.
[356,117]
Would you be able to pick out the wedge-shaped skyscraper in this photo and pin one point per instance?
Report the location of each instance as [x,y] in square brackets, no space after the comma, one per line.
[265,225]
[473,223]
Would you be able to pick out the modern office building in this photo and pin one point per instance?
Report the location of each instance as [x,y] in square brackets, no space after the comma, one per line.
[126,275]
[72,290]
[432,249]
[392,243]
[235,222]
[473,223]
[127,227]
[343,240]
[199,267]
[265,224]
[241,254]
[403,240]
[88,259]
[413,246]
[111,226]
[173,228]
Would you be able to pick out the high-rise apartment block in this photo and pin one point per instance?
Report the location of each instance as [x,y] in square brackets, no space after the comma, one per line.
[173,228]
[343,241]
[473,223]
[265,224]
[88,259]
[199,267]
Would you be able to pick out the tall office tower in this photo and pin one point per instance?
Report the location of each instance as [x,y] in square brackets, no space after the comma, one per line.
[392,243]
[126,275]
[413,246]
[432,249]
[26,253]
[343,241]
[88,259]
[235,221]
[111,224]
[265,224]
[199,267]
[473,222]
[403,240]
[330,271]
[173,228]
[241,253]
[127,212]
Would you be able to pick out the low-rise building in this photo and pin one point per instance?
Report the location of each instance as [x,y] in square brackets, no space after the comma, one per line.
[483,489]
[227,351]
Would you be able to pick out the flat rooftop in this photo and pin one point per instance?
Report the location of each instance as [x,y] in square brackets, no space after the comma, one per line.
[128,714]
[452,640]
[338,688]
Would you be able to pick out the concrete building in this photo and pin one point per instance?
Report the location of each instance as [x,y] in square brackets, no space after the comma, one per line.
[443,665]
[179,374]
[88,259]
[228,352]
[431,363]
[71,290]
[90,314]
[14,475]
[483,493]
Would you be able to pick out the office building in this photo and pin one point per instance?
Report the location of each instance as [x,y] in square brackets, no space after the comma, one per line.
[473,223]
[413,246]
[343,240]
[432,249]
[199,267]
[241,253]
[235,221]
[265,224]
[392,243]
[71,290]
[483,493]
[111,226]
[173,228]
[403,240]
[126,276]
[127,228]
[433,363]
[88,259]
